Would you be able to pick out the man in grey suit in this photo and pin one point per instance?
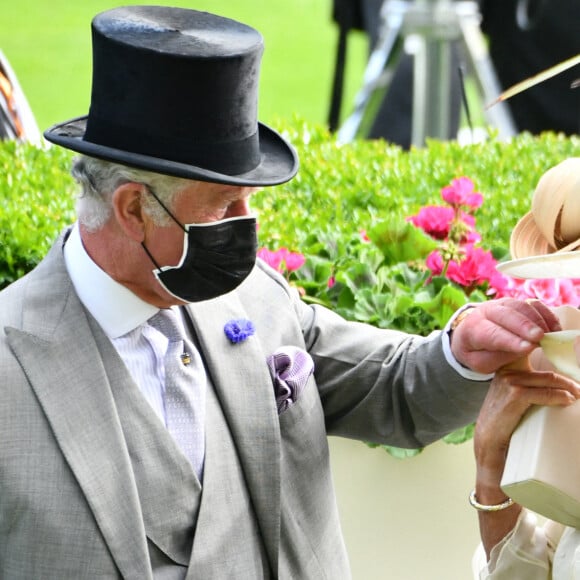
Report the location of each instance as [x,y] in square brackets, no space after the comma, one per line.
[93,482]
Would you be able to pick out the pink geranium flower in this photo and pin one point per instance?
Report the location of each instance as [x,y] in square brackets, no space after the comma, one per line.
[273,259]
[435,263]
[473,266]
[437,222]
[294,261]
[552,291]
[460,193]
[282,259]
[434,220]
[471,236]
[476,268]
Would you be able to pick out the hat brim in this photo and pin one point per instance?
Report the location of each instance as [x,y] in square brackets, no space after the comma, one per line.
[556,265]
[527,239]
[278,164]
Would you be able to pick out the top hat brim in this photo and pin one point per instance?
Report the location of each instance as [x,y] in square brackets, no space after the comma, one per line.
[278,160]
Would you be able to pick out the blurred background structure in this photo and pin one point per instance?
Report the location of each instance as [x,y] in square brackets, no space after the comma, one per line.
[16,118]
[418,49]
[526,37]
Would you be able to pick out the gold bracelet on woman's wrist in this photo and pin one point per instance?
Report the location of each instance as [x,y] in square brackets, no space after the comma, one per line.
[489,508]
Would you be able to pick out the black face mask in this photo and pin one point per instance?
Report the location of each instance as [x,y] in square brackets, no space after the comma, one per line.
[217,257]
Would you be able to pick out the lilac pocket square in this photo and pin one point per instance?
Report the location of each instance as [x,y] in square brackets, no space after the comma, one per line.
[290,368]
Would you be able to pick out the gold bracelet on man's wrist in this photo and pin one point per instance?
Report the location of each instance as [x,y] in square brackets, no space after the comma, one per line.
[461,317]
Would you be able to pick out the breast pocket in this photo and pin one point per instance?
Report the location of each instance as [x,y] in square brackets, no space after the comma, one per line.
[302,426]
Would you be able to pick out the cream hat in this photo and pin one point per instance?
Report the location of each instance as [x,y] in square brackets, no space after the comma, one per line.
[546,241]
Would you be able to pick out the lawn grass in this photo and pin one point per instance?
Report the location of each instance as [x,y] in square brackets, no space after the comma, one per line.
[48,45]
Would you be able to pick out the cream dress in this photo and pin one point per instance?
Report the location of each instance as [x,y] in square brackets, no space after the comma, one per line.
[532,552]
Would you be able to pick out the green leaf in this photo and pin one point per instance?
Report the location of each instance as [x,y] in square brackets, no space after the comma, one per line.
[445,303]
[400,241]
[315,269]
[397,452]
[357,276]
[460,435]
[372,308]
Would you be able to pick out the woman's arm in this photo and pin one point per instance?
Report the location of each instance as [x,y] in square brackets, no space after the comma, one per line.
[510,395]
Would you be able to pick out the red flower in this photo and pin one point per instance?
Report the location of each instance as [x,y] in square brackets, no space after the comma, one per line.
[282,259]
[434,220]
[552,291]
[437,221]
[294,261]
[435,262]
[460,193]
[471,236]
[273,259]
[476,268]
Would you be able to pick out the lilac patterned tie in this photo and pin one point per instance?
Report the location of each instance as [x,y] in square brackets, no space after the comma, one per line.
[185,387]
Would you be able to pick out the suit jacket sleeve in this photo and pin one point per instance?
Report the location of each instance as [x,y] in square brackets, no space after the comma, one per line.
[384,386]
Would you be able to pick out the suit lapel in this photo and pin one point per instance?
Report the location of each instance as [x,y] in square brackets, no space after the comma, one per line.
[58,354]
[244,388]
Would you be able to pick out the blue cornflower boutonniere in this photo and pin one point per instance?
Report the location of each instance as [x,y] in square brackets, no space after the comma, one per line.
[239,330]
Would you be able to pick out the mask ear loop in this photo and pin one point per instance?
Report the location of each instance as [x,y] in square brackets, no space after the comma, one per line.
[150,190]
[150,256]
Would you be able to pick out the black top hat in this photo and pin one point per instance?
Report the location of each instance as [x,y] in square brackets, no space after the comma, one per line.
[175,91]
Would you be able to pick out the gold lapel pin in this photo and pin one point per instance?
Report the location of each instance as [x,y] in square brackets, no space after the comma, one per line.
[186,358]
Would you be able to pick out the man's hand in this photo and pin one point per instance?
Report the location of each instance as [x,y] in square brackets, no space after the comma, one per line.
[501,331]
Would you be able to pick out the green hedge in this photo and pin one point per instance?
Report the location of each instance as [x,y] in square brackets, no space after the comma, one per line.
[343,188]
[339,191]
[37,200]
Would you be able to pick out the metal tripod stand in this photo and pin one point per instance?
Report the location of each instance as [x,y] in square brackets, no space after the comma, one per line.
[433,24]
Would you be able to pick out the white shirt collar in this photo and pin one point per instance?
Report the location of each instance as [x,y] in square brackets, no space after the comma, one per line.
[114,306]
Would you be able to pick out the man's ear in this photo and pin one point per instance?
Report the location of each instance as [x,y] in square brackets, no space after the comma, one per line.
[128,210]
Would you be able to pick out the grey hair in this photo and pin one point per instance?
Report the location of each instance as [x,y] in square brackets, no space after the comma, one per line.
[98,179]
